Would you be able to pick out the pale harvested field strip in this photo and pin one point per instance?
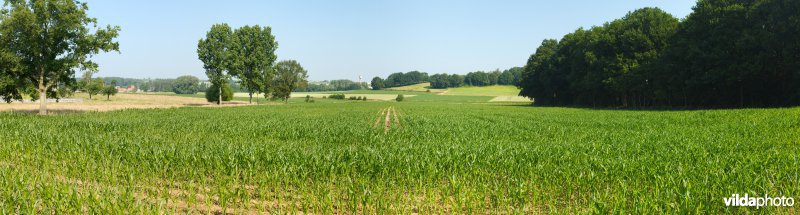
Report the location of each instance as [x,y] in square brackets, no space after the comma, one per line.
[396,118]
[119,102]
[380,97]
[378,121]
[510,99]
[388,120]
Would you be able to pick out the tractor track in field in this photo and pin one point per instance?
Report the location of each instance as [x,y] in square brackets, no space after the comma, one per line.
[389,117]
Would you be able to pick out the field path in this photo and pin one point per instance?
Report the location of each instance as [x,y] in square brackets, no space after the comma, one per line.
[378,121]
[388,116]
[396,117]
[388,120]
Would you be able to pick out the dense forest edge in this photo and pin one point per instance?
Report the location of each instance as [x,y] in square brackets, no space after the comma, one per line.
[724,54]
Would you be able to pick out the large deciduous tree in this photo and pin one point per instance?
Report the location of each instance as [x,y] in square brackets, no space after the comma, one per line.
[289,76]
[736,53]
[46,41]
[215,54]
[536,82]
[253,54]
[10,70]
[377,83]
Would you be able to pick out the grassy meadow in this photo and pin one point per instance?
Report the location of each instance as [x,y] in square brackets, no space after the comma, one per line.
[458,154]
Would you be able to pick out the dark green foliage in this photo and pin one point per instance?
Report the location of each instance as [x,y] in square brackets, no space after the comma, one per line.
[252,54]
[186,84]
[308,98]
[734,53]
[10,81]
[110,90]
[404,79]
[455,80]
[510,76]
[440,81]
[478,79]
[363,98]
[44,42]
[399,98]
[94,87]
[212,93]
[333,85]
[725,54]
[494,76]
[289,75]
[337,96]
[377,83]
[217,56]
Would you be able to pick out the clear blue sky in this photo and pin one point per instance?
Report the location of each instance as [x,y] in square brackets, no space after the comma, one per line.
[345,39]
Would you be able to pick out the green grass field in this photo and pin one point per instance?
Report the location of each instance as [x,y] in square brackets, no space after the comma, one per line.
[435,158]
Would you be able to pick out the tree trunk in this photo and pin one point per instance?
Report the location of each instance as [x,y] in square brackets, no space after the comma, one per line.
[251,97]
[108,97]
[42,93]
[42,101]
[219,102]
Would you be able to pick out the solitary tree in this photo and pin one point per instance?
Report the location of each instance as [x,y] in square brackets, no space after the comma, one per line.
[253,54]
[50,39]
[289,76]
[110,90]
[186,84]
[94,87]
[215,54]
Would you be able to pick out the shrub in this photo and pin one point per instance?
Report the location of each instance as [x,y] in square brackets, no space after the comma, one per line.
[364,98]
[308,98]
[399,98]
[212,93]
[337,96]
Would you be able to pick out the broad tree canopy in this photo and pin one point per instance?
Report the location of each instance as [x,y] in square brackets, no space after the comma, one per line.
[45,41]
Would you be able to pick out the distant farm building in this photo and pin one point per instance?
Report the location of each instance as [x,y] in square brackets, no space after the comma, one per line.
[129,89]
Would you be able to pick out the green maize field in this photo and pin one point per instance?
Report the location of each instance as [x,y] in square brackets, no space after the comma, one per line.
[433,158]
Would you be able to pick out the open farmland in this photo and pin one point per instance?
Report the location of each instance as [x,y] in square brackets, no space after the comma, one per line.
[80,102]
[330,158]
[421,87]
[376,107]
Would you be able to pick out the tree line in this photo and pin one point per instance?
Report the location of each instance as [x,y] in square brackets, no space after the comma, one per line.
[724,54]
[441,81]
[247,54]
[332,85]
